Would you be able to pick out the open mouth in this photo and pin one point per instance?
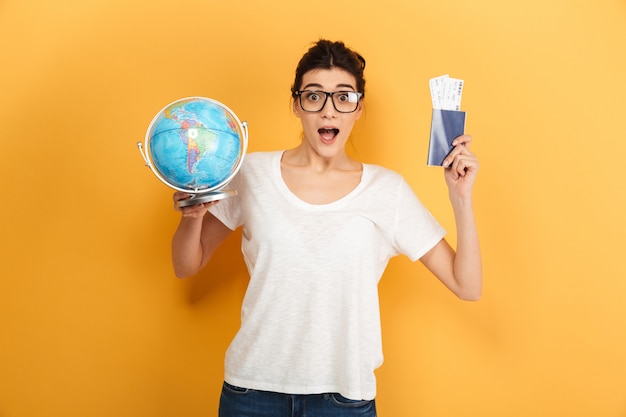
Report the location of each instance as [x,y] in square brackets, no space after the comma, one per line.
[328,134]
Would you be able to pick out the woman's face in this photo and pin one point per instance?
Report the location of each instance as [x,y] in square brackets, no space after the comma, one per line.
[327,131]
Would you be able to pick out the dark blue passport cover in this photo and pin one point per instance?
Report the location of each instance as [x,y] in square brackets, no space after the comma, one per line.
[445,126]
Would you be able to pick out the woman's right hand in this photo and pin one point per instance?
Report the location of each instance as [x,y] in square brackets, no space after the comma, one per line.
[196,211]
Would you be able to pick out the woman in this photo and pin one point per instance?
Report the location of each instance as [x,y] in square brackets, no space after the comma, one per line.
[318,230]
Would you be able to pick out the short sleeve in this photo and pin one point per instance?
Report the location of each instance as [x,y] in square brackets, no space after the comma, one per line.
[416,230]
[229,210]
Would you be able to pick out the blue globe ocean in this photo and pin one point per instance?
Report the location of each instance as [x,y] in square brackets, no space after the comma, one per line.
[196,144]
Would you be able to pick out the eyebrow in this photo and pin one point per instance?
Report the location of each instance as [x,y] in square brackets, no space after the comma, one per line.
[315,85]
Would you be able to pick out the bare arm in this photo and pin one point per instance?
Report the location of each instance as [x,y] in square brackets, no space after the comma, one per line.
[460,270]
[198,235]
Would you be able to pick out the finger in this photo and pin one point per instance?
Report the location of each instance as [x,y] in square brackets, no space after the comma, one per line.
[461,151]
[461,146]
[469,164]
[179,195]
[453,155]
[463,140]
[197,210]
[461,167]
[463,163]
[456,169]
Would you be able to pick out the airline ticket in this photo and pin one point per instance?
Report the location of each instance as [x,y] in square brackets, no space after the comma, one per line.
[446,92]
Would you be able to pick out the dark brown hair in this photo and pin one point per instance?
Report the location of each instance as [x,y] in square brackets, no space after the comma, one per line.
[325,54]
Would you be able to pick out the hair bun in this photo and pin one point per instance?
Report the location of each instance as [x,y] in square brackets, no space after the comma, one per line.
[362,60]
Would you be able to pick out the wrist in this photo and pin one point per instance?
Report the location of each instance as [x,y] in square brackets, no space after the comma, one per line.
[461,199]
[191,220]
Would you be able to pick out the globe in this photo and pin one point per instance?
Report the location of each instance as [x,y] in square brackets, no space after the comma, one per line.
[196,145]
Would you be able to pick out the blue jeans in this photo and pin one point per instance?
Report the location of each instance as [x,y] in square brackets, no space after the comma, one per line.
[244,402]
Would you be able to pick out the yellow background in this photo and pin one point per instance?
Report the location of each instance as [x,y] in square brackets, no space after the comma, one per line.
[92,320]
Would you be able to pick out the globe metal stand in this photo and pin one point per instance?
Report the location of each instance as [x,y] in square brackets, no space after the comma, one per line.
[206,198]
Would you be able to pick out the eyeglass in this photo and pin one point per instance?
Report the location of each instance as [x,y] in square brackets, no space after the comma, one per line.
[315,100]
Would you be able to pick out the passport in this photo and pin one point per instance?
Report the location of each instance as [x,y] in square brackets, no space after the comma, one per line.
[445,126]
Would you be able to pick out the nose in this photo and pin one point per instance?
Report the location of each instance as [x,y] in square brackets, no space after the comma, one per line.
[329,107]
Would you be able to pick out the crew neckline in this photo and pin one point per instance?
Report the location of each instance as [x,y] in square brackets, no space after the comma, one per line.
[278,155]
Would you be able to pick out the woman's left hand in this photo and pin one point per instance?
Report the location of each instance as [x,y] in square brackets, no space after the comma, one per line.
[461,167]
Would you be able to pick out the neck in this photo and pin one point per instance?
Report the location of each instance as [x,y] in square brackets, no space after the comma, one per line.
[306,156]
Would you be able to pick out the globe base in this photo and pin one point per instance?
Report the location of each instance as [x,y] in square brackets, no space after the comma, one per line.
[206,197]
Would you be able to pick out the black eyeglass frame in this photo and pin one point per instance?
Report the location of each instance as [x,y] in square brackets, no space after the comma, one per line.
[332,99]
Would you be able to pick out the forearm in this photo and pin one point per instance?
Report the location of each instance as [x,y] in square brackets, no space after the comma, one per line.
[467,261]
[187,251]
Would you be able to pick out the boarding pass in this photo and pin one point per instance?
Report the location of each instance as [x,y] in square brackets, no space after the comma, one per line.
[446,92]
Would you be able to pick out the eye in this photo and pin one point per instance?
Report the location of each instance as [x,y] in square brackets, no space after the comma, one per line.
[343,97]
[347,97]
[312,96]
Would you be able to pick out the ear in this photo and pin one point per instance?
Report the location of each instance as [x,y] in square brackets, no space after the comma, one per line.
[359,111]
[296,108]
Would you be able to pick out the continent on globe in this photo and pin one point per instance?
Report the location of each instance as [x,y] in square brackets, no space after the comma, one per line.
[199,141]
[194,134]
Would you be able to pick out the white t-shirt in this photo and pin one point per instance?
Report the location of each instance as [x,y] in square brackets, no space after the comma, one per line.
[310,319]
